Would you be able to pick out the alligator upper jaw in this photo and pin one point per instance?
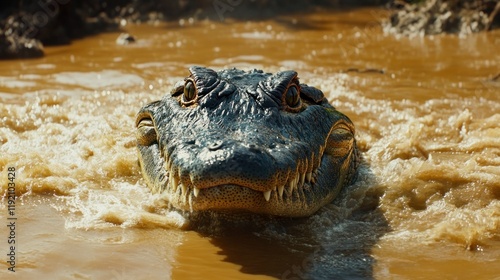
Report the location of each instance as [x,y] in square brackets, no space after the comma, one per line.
[303,193]
[298,184]
[283,186]
[284,191]
[294,187]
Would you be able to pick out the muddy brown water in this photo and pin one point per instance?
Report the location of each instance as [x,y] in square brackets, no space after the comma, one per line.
[426,205]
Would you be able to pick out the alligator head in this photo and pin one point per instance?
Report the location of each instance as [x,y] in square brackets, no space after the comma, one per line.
[246,141]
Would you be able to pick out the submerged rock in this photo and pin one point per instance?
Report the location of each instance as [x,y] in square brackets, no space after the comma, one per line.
[125,39]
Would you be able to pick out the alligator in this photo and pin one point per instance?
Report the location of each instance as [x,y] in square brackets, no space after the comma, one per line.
[246,141]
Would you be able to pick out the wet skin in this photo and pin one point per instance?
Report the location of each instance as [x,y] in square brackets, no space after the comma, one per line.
[246,141]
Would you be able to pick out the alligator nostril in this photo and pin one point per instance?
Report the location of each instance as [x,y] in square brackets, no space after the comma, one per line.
[215,145]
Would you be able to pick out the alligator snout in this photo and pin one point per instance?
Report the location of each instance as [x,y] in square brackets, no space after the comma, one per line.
[226,161]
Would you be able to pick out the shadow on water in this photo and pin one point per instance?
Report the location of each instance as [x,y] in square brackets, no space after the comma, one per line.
[335,243]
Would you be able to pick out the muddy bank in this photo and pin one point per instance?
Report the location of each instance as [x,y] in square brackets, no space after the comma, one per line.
[26,26]
[431,17]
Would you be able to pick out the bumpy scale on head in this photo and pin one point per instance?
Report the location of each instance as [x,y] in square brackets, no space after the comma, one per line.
[246,141]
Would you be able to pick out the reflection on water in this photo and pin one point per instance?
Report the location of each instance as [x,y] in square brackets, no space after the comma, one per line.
[426,204]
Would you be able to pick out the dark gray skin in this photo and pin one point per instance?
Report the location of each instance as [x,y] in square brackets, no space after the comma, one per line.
[246,141]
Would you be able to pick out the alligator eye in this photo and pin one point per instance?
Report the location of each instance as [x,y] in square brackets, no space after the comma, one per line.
[189,92]
[292,97]
[146,132]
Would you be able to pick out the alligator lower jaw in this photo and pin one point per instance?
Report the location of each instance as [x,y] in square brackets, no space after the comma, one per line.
[296,202]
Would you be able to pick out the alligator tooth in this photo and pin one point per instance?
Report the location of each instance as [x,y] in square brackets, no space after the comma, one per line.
[292,186]
[184,188]
[175,182]
[196,191]
[308,176]
[169,183]
[190,200]
[165,165]
[169,163]
[267,195]
[302,178]
[173,187]
[280,190]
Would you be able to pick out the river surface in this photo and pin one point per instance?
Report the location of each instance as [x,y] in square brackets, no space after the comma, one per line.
[427,113]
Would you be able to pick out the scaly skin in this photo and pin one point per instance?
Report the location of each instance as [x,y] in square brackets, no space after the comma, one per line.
[246,141]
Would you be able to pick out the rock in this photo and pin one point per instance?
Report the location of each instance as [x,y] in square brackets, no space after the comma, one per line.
[15,40]
[439,16]
[23,32]
[125,39]
[14,46]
